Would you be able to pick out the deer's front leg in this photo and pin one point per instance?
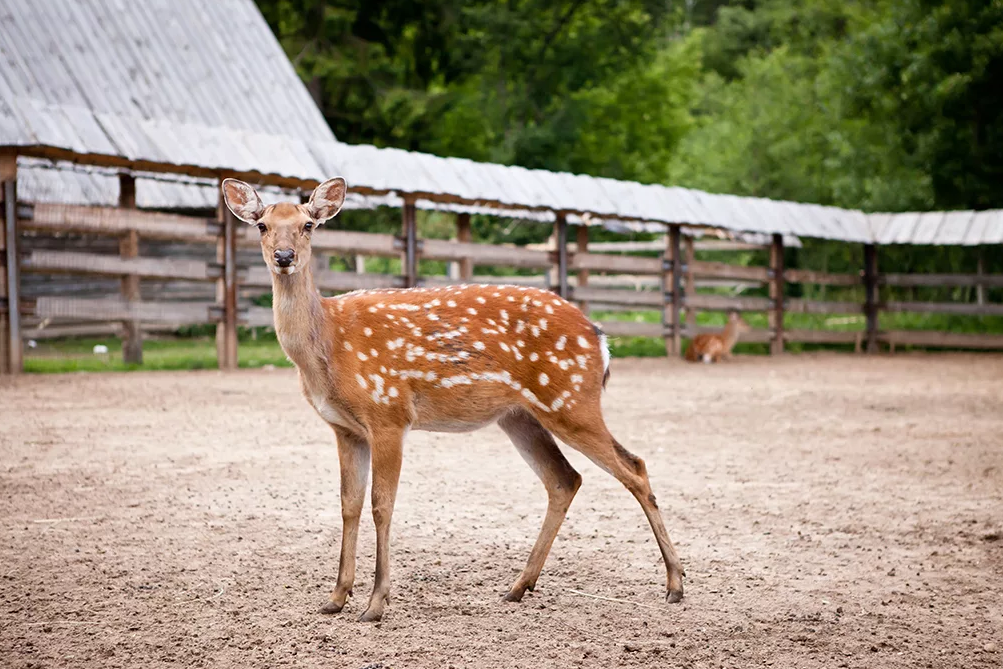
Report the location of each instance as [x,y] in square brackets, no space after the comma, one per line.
[387,450]
[353,455]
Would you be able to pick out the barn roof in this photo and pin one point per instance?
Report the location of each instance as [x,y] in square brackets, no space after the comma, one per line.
[205,88]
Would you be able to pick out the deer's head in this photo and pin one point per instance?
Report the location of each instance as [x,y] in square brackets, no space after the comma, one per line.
[736,321]
[285,227]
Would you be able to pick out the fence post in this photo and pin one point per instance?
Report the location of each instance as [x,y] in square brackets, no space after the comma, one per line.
[465,234]
[582,246]
[128,247]
[561,232]
[672,283]
[980,269]
[776,314]
[11,357]
[226,287]
[691,287]
[409,230]
[871,296]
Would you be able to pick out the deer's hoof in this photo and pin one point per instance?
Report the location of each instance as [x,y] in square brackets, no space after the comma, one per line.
[674,596]
[514,595]
[371,615]
[332,607]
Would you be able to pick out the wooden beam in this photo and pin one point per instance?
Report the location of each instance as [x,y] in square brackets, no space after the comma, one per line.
[43,261]
[641,298]
[606,262]
[582,247]
[12,361]
[464,234]
[728,303]
[945,339]
[128,249]
[113,222]
[980,270]
[485,254]
[103,309]
[871,297]
[561,232]
[632,329]
[958,308]
[776,314]
[409,235]
[942,280]
[798,306]
[723,270]
[822,278]
[673,341]
[691,283]
[227,357]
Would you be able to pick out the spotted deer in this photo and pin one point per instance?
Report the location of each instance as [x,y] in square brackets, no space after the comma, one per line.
[715,347]
[375,364]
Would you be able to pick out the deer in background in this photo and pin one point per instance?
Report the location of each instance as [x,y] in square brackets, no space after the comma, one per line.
[375,364]
[715,347]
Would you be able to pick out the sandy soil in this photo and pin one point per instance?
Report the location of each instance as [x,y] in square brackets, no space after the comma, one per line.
[830,511]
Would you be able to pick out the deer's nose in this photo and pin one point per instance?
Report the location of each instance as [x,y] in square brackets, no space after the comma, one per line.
[284,258]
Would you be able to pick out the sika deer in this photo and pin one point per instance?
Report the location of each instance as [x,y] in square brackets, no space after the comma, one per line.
[715,347]
[375,364]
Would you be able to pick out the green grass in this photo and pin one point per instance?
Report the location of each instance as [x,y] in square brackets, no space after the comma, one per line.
[76,355]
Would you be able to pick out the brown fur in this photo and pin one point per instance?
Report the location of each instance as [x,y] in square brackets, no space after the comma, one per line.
[375,364]
[716,347]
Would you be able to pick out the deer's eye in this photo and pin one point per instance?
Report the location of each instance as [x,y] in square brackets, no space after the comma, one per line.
[308,227]
[261,228]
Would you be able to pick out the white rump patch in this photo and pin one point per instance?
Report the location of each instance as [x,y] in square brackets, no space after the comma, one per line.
[604,352]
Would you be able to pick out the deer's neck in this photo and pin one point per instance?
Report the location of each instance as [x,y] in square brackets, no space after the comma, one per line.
[730,335]
[299,318]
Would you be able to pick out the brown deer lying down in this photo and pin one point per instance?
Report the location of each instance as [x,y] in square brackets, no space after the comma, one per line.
[375,364]
[715,347]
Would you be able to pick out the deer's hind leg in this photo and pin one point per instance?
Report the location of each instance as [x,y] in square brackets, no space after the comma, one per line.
[353,456]
[585,431]
[537,447]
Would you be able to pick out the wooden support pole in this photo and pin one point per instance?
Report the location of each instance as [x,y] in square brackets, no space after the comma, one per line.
[673,283]
[871,296]
[226,288]
[980,270]
[561,232]
[409,232]
[128,247]
[582,246]
[691,284]
[465,234]
[776,314]
[11,352]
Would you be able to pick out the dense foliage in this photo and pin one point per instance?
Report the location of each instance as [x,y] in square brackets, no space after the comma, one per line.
[883,105]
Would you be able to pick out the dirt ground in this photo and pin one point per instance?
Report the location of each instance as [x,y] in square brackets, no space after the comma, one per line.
[831,511]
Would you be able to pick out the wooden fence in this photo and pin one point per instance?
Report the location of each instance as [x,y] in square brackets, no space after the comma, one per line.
[123,280]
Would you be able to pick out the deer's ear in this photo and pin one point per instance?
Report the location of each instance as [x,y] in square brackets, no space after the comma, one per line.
[242,200]
[327,199]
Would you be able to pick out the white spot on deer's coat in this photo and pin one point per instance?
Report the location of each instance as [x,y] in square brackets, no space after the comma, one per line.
[372,310]
[534,356]
[479,345]
[392,392]
[504,315]
[535,330]
[373,353]
[543,323]
[560,343]
[576,378]
[471,311]
[549,309]
[362,381]
[544,379]
[481,300]
[348,346]
[503,345]
[362,356]
[433,317]
[451,303]
[368,332]
[556,404]
[583,342]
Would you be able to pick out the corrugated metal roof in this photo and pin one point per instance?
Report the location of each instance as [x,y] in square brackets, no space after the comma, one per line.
[178,81]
